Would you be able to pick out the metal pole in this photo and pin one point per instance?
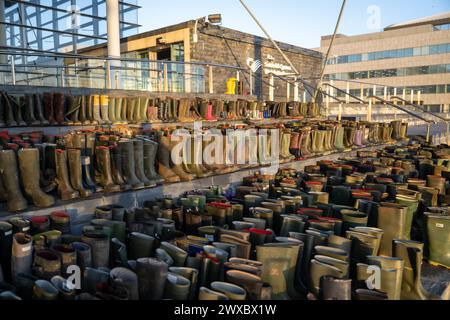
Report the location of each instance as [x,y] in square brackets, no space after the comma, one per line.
[369,111]
[13,70]
[296,91]
[269,37]
[107,74]
[347,97]
[428,132]
[412,96]
[113,28]
[362,93]
[63,80]
[319,85]
[340,112]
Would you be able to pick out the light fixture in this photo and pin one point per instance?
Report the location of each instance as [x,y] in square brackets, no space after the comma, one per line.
[213,19]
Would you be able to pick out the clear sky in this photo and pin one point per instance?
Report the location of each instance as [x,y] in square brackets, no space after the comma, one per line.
[298,22]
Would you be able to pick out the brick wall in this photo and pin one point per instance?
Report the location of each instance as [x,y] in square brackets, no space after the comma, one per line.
[230,47]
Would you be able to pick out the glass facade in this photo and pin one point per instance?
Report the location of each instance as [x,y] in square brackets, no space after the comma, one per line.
[392,54]
[63,25]
[442,27]
[389,73]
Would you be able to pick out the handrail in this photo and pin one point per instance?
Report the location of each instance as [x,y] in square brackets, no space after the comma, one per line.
[420,108]
[400,108]
[306,84]
[387,102]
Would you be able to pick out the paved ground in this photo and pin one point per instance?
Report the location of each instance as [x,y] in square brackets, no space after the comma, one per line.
[422,130]
[436,279]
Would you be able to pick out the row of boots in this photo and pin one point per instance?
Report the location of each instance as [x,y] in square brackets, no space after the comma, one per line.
[56,108]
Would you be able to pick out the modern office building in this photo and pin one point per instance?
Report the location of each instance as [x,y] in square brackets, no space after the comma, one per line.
[411,59]
[210,44]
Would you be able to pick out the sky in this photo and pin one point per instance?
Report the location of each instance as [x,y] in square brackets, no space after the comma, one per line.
[298,22]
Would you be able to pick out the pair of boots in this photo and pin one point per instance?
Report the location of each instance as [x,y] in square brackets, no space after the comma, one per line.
[130,165]
[29,170]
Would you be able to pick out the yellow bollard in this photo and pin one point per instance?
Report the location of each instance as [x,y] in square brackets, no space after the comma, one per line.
[231,86]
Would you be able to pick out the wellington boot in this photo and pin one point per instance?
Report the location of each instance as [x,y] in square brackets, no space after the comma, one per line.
[18,109]
[164,157]
[392,219]
[65,189]
[438,227]
[73,110]
[84,255]
[178,255]
[143,109]
[126,279]
[104,168]
[22,255]
[152,274]
[253,284]
[39,110]
[6,240]
[126,103]
[104,109]
[67,255]
[116,166]
[139,163]
[96,110]
[233,292]
[412,254]
[335,289]
[140,246]
[87,177]
[128,165]
[61,285]
[46,265]
[49,112]
[76,173]
[319,270]
[89,100]
[45,291]
[100,248]
[118,105]
[150,153]
[206,294]
[30,172]
[413,205]
[190,274]
[391,274]
[112,110]
[30,109]
[9,174]
[59,103]
[177,287]
[82,116]
[280,261]
[10,120]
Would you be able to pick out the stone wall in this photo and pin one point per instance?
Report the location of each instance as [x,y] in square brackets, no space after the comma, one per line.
[230,47]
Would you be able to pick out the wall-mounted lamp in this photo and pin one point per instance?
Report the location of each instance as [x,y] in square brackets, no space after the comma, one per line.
[214,19]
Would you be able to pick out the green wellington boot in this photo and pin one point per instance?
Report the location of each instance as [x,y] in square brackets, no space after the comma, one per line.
[190,274]
[280,262]
[210,295]
[10,178]
[319,270]
[177,287]
[411,252]
[438,227]
[65,190]
[232,291]
[413,205]
[391,274]
[392,219]
[30,172]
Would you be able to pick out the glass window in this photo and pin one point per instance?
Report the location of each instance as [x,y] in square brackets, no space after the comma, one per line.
[417,52]
[425,51]
[434,49]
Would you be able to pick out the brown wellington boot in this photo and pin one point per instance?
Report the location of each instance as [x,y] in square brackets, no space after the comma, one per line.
[65,190]
[76,173]
[178,169]
[59,103]
[30,172]
[10,178]
[104,177]
[164,158]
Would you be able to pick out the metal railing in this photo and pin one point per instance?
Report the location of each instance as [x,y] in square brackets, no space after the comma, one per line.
[81,71]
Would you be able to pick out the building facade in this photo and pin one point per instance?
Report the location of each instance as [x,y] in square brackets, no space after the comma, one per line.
[195,45]
[410,60]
